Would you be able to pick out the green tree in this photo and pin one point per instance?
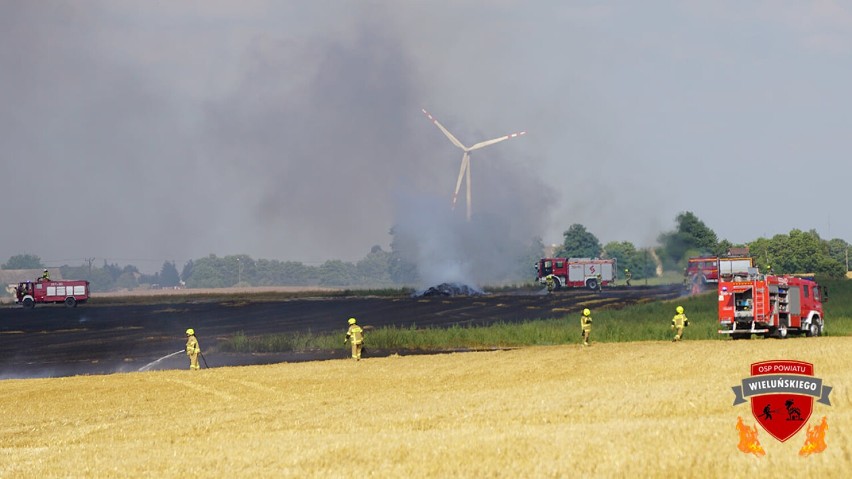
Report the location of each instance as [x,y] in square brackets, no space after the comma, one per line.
[295,272]
[838,250]
[241,269]
[579,243]
[723,247]
[186,272]
[99,279]
[169,276]
[113,270]
[759,250]
[375,267]
[23,261]
[210,272]
[126,280]
[627,257]
[337,273]
[796,252]
[274,272]
[830,267]
[804,252]
[691,237]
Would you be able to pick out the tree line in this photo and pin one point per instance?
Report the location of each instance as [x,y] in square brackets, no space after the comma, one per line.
[795,252]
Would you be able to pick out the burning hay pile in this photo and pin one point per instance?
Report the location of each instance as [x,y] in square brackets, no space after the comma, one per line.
[450,289]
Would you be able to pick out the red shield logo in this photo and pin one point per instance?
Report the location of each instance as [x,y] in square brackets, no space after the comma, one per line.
[782,395]
[782,414]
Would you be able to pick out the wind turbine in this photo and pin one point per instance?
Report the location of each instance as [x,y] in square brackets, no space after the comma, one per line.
[464,170]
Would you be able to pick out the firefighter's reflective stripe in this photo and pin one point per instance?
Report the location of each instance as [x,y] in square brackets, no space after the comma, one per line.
[355,334]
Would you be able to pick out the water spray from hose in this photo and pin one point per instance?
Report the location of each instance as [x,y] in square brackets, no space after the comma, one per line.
[147,366]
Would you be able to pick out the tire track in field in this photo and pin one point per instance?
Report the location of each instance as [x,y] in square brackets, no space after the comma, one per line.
[202,389]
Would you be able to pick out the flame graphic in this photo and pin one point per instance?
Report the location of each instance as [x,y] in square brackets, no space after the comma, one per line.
[815,442]
[748,439]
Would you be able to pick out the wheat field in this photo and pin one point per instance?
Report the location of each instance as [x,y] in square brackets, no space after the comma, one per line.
[649,409]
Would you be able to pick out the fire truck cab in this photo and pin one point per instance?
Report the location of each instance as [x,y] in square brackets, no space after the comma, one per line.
[576,272]
[28,293]
[770,305]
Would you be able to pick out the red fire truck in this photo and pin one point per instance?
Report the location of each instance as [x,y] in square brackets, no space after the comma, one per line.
[28,293]
[770,305]
[708,269]
[576,272]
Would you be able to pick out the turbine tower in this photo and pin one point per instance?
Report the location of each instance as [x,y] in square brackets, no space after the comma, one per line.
[464,170]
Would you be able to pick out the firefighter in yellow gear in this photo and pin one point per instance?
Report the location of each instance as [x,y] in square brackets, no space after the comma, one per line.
[355,336]
[679,321]
[45,276]
[192,349]
[627,276]
[586,325]
[550,280]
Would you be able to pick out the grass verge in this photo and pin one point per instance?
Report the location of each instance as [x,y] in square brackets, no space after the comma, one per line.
[649,321]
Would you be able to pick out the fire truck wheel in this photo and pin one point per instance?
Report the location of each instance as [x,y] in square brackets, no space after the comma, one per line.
[28,303]
[592,284]
[813,330]
[70,302]
[736,336]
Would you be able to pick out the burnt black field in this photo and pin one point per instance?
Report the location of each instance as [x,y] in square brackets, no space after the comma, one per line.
[54,341]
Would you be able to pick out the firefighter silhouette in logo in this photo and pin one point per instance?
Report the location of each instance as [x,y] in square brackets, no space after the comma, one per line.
[767,412]
[793,413]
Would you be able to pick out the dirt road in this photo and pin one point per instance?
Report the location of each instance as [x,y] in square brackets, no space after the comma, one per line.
[51,341]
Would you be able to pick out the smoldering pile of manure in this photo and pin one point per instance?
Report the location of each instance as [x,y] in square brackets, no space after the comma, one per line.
[450,289]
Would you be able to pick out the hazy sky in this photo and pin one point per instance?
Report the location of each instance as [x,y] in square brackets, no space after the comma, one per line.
[144,131]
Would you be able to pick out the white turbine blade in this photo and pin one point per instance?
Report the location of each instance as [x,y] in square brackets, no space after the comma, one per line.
[469,207]
[464,166]
[447,133]
[483,144]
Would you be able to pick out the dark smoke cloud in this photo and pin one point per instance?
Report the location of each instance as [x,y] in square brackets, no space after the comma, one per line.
[305,147]
[316,136]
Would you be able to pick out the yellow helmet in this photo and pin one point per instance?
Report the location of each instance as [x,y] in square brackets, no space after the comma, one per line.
[586,312]
[679,310]
[626,270]
[190,332]
[352,321]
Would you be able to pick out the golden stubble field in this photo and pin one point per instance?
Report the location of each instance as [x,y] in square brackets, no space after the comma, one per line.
[653,409]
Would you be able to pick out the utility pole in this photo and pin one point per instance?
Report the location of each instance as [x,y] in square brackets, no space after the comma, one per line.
[239,271]
[90,261]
